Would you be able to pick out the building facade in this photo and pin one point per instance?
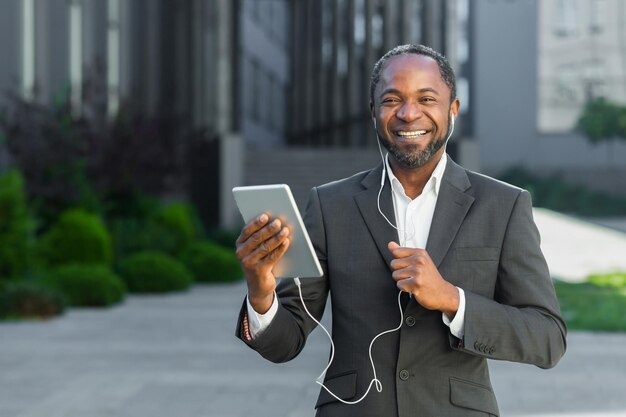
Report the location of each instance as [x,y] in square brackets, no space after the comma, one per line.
[335,45]
[534,63]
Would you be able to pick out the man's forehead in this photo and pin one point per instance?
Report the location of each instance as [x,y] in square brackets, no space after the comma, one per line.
[412,65]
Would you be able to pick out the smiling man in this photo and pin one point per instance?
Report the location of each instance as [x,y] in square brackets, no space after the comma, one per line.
[460,248]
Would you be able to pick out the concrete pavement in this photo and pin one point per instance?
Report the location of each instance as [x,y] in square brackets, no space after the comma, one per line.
[176,355]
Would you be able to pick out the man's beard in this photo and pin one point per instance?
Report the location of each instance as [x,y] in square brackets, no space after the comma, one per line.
[413,157]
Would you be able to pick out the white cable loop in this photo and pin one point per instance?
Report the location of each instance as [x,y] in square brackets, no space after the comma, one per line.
[375,380]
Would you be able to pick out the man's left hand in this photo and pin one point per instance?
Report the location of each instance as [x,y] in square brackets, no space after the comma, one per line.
[415,273]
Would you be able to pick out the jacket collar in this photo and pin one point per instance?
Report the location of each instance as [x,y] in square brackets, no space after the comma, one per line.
[453,203]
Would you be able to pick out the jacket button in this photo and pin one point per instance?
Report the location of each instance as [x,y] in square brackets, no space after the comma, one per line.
[410,321]
[404,374]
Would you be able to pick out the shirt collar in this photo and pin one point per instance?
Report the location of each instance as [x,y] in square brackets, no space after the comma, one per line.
[433,182]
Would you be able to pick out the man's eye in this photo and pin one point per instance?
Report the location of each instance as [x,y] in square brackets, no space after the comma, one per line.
[390,100]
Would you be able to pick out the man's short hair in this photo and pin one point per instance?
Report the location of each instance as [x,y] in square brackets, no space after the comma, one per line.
[447,74]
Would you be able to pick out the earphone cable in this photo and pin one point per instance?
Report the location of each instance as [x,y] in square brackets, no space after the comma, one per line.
[375,380]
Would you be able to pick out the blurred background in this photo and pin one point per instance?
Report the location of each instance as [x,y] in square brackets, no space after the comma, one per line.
[202,95]
[124,125]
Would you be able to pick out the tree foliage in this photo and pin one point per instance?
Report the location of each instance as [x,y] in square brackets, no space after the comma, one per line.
[602,120]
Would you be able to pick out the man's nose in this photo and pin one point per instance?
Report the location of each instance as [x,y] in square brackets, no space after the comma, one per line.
[409,111]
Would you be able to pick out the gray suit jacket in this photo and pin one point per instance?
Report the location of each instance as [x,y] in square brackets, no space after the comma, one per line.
[482,239]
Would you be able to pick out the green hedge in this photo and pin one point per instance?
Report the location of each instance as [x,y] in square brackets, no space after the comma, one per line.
[169,229]
[16,227]
[154,272]
[615,280]
[77,237]
[555,194]
[132,235]
[85,285]
[210,262]
[29,300]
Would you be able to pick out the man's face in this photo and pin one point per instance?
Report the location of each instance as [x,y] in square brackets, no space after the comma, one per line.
[412,109]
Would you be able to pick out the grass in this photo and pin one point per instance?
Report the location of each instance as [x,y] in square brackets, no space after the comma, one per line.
[598,304]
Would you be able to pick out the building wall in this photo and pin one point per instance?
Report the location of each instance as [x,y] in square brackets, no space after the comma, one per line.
[336,43]
[505,67]
[10,26]
[264,71]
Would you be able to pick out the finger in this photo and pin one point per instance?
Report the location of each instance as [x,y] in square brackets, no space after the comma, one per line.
[253,226]
[404,273]
[398,251]
[257,239]
[267,247]
[415,259]
[278,253]
[407,285]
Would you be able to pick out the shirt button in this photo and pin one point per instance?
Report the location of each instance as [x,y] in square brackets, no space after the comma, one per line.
[404,374]
[410,321]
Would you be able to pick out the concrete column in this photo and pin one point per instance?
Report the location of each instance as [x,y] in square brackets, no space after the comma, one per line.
[353,78]
[389,25]
[232,156]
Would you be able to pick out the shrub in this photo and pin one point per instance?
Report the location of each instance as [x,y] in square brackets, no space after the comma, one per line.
[615,280]
[87,285]
[209,262]
[29,300]
[132,235]
[169,229]
[555,194]
[77,237]
[224,237]
[181,221]
[155,272]
[16,227]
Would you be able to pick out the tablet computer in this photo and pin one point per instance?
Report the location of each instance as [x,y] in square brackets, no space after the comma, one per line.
[276,200]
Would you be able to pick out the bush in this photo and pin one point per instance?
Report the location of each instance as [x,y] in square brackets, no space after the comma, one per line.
[29,300]
[132,235]
[211,263]
[615,280]
[16,227]
[87,285]
[77,237]
[555,194]
[168,229]
[586,306]
[225,238]
[181,221]
[154,272]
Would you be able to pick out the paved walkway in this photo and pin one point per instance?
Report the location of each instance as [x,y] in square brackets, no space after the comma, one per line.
[575,248]
[176,355]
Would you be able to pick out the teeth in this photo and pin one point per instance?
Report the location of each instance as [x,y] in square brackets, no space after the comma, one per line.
[412,133]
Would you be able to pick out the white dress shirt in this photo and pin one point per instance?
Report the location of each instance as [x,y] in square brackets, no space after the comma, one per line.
[413,220]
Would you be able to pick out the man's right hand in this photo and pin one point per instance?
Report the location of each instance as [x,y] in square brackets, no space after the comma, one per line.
[260,246]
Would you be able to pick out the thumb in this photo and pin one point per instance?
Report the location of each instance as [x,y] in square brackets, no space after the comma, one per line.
[392,246]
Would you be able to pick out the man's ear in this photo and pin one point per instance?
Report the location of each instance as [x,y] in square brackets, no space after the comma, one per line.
[372,113]
[454,107]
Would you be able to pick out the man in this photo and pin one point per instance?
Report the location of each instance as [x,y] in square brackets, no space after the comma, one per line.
[462,245]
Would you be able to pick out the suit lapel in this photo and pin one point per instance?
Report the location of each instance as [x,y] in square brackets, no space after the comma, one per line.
[381,231]
[452,206]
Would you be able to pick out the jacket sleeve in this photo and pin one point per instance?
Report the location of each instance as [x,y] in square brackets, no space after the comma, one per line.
[523,322]
[286,335]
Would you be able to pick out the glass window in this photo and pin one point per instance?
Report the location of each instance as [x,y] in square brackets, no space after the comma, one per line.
[597,16]
[566,17]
